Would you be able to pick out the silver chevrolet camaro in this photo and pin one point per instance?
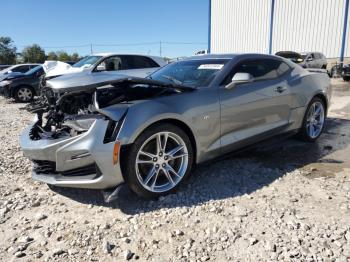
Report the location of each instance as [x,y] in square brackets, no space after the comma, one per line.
[151,132]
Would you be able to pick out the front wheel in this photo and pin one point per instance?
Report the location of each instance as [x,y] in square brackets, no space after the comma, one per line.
[24,94]
[314,119]
[159,160]
[346,78]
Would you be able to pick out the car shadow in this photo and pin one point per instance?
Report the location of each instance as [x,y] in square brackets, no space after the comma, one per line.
[235,175]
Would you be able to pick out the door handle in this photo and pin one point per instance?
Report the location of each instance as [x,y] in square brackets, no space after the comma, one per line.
[280,89]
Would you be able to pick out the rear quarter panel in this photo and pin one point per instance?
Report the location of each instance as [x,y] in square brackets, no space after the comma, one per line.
[305,85]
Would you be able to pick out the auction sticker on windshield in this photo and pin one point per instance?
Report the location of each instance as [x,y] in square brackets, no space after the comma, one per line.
[211,66]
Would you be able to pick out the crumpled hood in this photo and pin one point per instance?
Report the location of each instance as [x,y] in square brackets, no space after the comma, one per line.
[81,81]
[55,68]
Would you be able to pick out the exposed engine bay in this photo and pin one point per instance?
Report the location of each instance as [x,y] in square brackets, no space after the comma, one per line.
[72,113]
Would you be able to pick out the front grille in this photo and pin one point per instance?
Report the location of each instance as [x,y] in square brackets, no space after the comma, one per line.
[49,167]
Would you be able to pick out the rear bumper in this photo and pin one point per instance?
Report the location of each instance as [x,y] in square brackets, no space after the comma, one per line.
[82,161]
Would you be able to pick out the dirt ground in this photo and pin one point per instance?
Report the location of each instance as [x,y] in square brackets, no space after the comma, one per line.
[287,201]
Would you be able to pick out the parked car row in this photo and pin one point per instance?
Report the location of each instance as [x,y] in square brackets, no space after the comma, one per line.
[306,59]
[24,86]
[98,128]
[316,60]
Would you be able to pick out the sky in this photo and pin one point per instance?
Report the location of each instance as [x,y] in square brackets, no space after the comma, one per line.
[138,25]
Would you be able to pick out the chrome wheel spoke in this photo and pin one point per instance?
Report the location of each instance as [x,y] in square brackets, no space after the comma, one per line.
[172,152]
[147,154]
[169,169]
[144,162]
[150,175]
[178,156]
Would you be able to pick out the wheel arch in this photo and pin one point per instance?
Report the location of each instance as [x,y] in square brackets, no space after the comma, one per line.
[177,122]
[324,100]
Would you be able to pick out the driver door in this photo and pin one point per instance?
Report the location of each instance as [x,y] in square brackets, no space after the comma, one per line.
[254,110]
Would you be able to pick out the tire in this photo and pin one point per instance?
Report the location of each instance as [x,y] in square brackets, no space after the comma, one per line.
[24,94]
[151,179]
[346,78]
[313,122]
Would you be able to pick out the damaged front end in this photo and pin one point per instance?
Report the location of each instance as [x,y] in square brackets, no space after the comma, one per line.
[73,142]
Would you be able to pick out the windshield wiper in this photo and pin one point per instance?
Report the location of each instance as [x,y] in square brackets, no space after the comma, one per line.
[172,79]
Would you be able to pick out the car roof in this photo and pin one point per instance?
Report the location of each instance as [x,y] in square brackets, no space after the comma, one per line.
[110,54]
[230,56]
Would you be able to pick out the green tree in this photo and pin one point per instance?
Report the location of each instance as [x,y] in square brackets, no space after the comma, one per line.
[33,54]
[52,56]
[63,56]
[75,57]
[7,51]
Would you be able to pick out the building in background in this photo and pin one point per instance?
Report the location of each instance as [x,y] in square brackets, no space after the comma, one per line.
[268,26]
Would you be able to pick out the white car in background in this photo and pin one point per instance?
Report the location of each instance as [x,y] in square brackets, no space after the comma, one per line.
[16,70]
[128,64]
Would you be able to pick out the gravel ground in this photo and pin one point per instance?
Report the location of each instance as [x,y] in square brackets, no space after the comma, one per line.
[286,201]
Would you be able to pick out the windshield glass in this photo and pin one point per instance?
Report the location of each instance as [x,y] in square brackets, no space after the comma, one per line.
[33,70]
[87,61]
[295,57]
[193,73]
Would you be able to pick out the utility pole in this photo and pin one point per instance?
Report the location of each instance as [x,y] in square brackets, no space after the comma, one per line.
[91,49]
[160,48]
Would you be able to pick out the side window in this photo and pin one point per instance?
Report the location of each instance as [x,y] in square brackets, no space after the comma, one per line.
[138,62]
[113,63]
[260,69]
[21,69]
[283,68]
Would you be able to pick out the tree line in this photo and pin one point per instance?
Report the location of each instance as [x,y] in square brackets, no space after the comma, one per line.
[30,54]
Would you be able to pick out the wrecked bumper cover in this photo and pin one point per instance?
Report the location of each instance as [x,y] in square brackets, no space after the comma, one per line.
[82,161]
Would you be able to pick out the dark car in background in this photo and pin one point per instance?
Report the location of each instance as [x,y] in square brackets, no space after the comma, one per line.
[346,72]
[23,87]
[306,59]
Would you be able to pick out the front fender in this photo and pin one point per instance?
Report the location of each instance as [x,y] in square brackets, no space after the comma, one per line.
[143,115]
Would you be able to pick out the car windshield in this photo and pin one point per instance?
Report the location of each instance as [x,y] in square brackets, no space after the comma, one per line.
[33,70]
[295,57]
[193,73]
[87,61]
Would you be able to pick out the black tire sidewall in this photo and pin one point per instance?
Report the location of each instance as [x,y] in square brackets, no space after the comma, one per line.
[304,134]
[129,165]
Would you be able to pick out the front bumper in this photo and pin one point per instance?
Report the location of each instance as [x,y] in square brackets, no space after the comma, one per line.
[4,90]
[82,161]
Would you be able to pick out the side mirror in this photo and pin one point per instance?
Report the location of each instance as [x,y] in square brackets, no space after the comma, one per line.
[240,78]
[101,68]
[8,72]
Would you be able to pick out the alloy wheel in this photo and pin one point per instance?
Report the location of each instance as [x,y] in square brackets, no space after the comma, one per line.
[24,94]
[161,162]
[315,119]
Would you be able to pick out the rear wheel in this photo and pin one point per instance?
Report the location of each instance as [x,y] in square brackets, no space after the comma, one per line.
[159,160]
[24,94]
[346,78]
[314,119]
